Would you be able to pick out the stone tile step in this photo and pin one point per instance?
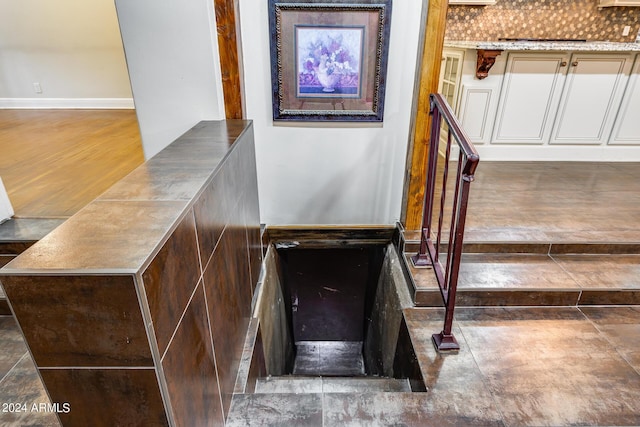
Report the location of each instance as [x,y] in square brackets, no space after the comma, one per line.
[295,384]
[358,409]
[329,358]
[508,279]
[522,247]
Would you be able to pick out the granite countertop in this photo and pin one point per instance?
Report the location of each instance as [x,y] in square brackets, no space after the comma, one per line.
[545,46]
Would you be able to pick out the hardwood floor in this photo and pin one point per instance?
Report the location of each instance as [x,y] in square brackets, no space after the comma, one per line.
[54,162]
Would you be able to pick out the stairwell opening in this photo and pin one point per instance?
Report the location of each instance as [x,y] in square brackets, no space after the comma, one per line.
[330,293]
[334,312]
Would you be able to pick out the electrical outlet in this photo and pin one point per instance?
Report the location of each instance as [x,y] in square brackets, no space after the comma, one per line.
[37,88]
[625,30]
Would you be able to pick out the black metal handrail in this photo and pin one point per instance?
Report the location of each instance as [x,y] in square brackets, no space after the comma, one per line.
[429,253]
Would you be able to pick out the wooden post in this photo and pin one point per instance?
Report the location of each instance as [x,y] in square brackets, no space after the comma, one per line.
[428,83]
[227,24]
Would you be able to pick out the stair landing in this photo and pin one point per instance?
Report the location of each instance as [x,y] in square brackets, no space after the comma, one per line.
[535,279]
[545,234]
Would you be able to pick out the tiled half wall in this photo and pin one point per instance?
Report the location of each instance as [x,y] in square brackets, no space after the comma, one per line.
[564,19]
[136,309]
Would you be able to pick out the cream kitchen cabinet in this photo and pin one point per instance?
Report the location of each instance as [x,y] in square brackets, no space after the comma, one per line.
[476,100]
[552,101]
[529,97]
[591,97]
[626,130]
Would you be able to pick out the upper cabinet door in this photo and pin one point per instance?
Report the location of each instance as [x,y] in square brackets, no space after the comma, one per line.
[529,99]
[607,3]
[590,99]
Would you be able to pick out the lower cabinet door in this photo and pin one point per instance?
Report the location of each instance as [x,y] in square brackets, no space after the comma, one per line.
[591,98]
[529,98]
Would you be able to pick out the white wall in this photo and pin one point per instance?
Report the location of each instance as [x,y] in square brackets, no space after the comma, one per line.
[174,67]
[6,210]
[71,47]
[323,174]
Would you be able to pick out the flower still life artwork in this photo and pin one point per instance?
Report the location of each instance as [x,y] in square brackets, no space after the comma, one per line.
[329,61]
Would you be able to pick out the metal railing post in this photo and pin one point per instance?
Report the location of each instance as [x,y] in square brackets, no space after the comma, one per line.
[428,254]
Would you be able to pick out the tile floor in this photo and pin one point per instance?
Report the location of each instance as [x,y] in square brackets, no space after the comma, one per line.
[554,202]
[538,366]
[543,366]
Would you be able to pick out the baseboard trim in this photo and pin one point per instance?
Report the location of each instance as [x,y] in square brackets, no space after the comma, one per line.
[67,103]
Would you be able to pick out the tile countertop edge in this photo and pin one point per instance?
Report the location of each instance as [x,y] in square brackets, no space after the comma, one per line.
[545,46]
[141,225]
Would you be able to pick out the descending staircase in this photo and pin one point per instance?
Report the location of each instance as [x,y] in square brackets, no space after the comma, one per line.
[318,401]
[328,386]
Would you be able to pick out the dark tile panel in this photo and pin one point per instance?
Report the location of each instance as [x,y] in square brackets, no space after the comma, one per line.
[4,259]
[4,307]
[80,320]
[110,397]
[212,211]
[23,385]
[190,371]
[11,344]
[254,410]
[15,248]
[229,302]
[170,279]
[610,297]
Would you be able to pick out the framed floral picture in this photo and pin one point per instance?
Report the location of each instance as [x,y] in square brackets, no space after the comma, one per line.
[329,59]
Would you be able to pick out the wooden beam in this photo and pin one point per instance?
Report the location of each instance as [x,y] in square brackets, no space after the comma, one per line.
[433,40]
[230,57]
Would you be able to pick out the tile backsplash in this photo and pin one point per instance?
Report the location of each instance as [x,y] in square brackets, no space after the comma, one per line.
[561,19]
